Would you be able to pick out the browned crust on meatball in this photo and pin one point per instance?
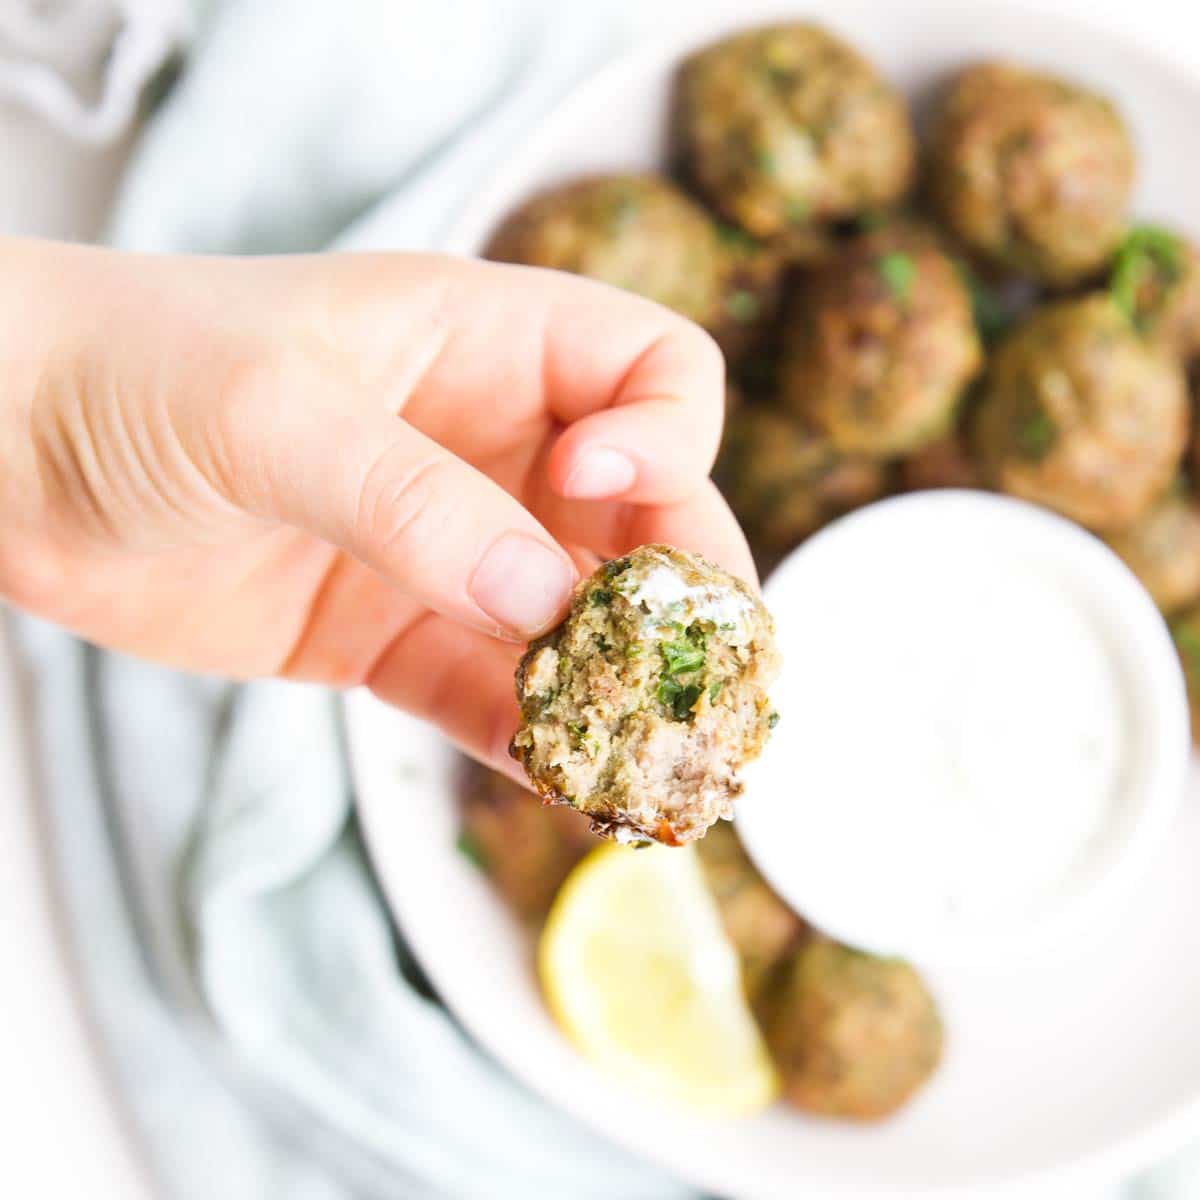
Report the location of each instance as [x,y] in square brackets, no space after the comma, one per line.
[1032,172]
[787,126]
[881,344]
[852,1035]
[1080,414]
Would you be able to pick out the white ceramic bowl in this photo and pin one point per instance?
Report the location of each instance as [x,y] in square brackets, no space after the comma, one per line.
[1069,1070]
[844,808]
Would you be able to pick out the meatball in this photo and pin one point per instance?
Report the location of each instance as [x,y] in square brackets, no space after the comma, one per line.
[1080,414]
[640,708]
[761,927]
[1163,550]
[852,1035]
[1185,629]
[1031,172]
[1156,283]
[788,126]
[946,463]
[881,344]
[784,482]
[525,848]
[639,232]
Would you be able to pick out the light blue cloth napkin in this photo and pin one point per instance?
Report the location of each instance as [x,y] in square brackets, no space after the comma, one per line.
[270,1037]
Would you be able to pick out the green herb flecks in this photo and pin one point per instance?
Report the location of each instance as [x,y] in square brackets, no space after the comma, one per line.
[1148,263]
[470,849]
[991,319]
[742,306]
[798,210]
[737,240]
[1036,434]
[898,272]
[618,566]
[714,690]
[622,212]
[678,697]
[772,720]
[600,596]
[681,658]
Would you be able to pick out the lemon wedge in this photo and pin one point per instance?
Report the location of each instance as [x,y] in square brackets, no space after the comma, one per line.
[637,970]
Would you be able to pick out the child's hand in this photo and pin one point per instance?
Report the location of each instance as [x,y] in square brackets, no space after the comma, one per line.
[342,468]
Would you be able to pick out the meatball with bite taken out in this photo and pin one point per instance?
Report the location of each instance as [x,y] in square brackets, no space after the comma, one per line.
[852,1035]
[1032,173]
[881,344]
[786,127]
[1082,415]
[641,707]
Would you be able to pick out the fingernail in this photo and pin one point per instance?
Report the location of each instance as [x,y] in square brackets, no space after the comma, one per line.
[599,473]
[521,584]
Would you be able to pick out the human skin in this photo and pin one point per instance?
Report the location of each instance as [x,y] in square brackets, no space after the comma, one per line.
[352,469]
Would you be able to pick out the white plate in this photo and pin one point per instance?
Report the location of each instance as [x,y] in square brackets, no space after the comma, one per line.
[1080,1069]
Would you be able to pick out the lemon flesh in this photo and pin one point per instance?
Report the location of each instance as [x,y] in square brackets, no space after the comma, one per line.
[638,972]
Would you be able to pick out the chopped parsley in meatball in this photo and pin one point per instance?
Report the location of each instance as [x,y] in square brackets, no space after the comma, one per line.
[642,706]
[1155,281]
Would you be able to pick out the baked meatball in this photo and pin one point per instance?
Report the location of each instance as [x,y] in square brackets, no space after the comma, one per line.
[788,126]
[1080,414]
[880,344]
[642,706]
[784,482]
[526,849]
[1163,550]
[1031,172]
[851,1034]
[1185,630]
[639,232]
[1156,282]
[761,927]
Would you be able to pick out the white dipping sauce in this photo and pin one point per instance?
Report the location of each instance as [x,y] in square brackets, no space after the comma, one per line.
[955,744]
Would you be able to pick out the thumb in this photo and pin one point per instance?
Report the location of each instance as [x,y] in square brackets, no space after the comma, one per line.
[356,475]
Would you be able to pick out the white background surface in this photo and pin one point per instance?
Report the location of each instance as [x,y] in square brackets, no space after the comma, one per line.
[61,1136]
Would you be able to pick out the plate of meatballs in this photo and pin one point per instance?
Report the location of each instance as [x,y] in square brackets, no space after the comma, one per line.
[941,245]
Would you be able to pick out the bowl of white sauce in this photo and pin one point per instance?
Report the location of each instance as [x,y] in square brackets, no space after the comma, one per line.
[984,730]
